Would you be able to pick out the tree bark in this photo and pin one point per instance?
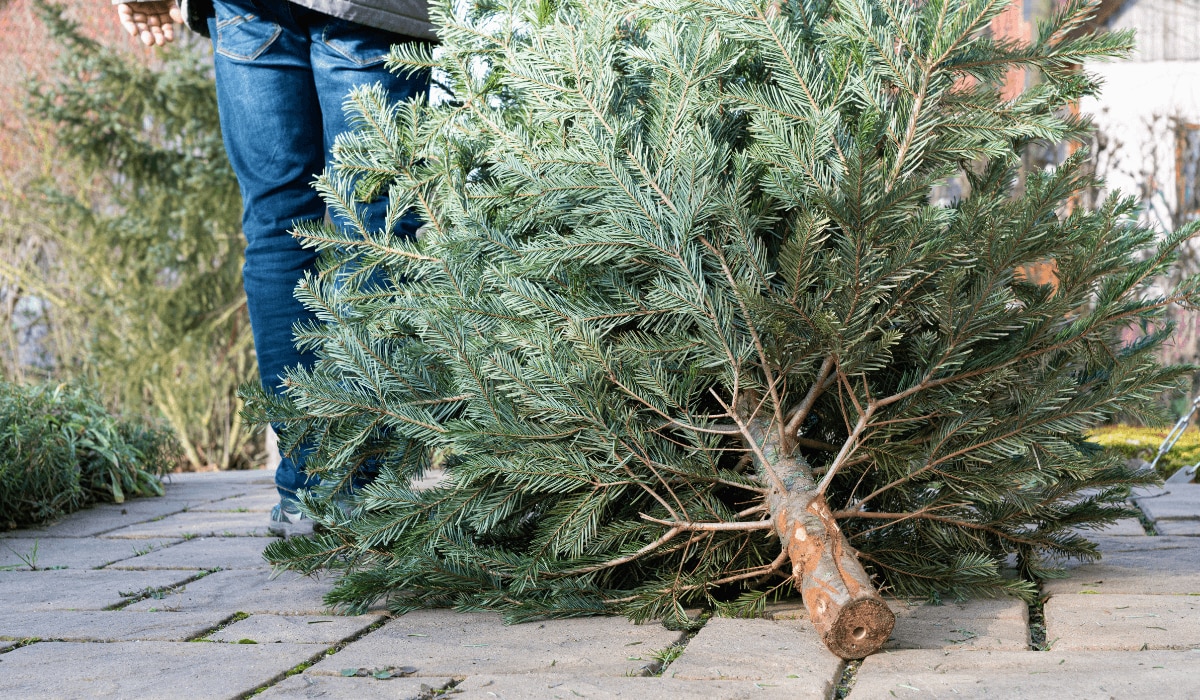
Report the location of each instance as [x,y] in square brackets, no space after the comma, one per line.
[846,610]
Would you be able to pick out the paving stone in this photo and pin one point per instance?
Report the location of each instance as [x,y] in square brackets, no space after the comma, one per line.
[34,591]
[198,524]
[259,501]
[1116,547]
[759,650]
[199,495]
[144,670]
[543,687]
[203,553]
[71,552]
[1025,675]
[1146,491]
[788,609]
[249,591]
[1133,622]
[104,518]
[233,476]
[294,629]
[1186,528]
[1150,565]
[1129,527]
[101,519]
[82,524]
[446,643]
[330,687]
[204,492]
[988,623]
[140,508]
[106,625]
[1176,502]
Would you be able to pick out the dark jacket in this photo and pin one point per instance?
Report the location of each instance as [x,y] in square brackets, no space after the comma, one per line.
[404,17]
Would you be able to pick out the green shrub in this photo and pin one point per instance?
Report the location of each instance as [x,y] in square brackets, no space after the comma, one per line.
[60,450]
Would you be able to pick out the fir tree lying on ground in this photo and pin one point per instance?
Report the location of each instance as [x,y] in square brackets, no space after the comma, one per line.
[683,296]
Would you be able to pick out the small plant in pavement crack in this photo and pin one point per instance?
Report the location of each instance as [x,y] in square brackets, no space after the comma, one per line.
[21,643]
[301,667]
[664,657]
[158,592]
[155,592]
[139,551]
[30,558]
[204,636]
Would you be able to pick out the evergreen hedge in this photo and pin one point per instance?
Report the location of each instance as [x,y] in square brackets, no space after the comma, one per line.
[61,450]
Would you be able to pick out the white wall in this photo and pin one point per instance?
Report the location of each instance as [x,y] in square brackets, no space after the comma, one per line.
[1166,29]
[1135,117]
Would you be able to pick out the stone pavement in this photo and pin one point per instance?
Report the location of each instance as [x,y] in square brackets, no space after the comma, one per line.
[170,597]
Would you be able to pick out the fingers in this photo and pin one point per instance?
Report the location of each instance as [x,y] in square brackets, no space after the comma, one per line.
[150,22]
[154,26]
[125,17]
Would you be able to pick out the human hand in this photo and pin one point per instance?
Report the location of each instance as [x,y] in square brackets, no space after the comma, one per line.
[152,22]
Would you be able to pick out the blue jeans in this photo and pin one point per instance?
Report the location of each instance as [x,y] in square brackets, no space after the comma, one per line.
[282,74]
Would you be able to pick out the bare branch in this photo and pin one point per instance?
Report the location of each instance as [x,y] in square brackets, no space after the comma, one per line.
[848,449]
[754,446]
[667,537]
[711,527]
[819,385]
[764,360]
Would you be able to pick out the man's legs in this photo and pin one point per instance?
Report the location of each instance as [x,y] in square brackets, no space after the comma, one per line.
[283,73]
[271,124]
[346,56]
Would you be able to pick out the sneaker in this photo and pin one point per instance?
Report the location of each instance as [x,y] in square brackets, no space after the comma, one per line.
[287,521]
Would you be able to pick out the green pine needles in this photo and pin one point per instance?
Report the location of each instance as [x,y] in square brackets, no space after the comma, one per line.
[680,256]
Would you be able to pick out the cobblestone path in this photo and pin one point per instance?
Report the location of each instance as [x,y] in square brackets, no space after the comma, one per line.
[170,598]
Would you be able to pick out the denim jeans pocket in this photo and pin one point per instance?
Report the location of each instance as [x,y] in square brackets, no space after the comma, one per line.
[245,37]
[362,45]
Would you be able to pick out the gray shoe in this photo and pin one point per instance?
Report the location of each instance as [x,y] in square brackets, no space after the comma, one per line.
[287,520]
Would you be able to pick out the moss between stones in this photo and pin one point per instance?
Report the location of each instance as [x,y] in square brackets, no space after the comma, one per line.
[1142,443]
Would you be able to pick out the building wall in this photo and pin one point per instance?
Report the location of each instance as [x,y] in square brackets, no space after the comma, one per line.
[1146,112]
[1148,132]
[1148,115]
[28,155]
[1167,30]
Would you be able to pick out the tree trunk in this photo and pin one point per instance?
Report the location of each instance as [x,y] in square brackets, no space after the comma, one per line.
[847,612]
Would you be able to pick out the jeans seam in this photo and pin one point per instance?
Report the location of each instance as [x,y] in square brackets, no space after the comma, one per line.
[238,19]
[238,57]
[347,56]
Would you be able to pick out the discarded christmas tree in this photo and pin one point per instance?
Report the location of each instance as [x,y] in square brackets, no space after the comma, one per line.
[683,297]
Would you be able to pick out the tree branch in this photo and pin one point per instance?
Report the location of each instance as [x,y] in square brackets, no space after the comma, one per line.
[711,527]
